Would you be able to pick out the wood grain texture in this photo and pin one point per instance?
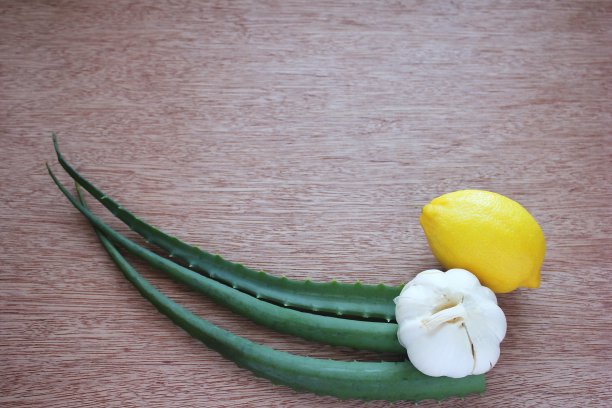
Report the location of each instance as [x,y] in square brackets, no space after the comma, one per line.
[303,138]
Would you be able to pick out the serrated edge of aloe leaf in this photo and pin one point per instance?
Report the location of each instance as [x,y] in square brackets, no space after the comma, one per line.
[389,381]
[358,299]
[364,335]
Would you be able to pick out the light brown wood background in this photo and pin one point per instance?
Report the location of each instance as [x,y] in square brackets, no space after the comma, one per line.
[303,138]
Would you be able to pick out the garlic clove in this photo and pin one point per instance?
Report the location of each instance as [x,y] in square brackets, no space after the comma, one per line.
[429,278]
[486,315]
[445,352]
[486,353]
[420,303]
[488,294]
[460,279]
[486,327]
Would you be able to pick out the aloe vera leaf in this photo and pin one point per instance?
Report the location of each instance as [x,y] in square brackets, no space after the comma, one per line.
[375,336]
[357,299]
[387,381]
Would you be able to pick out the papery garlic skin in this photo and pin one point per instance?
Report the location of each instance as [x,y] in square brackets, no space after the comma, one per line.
[449,323]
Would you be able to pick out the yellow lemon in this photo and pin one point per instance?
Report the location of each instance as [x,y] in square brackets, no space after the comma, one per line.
[488,234]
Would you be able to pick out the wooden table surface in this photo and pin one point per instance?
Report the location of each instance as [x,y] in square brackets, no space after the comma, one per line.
[302,138]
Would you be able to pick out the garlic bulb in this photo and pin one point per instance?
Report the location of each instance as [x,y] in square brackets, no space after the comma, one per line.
[450,324]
